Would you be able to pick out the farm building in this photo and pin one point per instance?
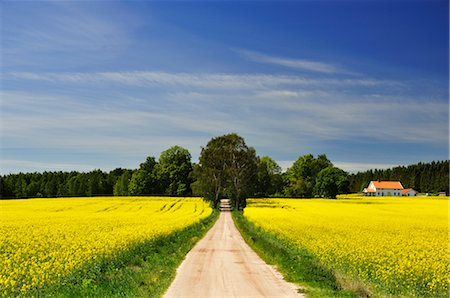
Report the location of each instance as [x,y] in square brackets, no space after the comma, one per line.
[383,188]
[409,192]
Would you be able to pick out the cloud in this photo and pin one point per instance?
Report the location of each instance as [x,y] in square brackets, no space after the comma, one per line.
[125,116]
[62,34]
[265,115]
[298,64]
[206,103]
[198,80]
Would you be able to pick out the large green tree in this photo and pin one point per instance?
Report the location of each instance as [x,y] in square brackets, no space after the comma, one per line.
[227,167]
[330,182]
[241,171]
[173,171]
[269,177]
[143,181]
[301,177]
[210,173]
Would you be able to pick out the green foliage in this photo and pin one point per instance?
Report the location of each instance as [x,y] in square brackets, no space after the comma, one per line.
[301,177]
[330,182]
[137,183]
[430,177]
[96,183]
[227,167]
[143,180]
[122,184]
[201,175]
[269,177]
[76,186]
[174,171]
[148,165]
[170,175]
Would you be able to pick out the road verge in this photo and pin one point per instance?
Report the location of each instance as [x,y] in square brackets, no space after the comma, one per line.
[296,264]
[142,270]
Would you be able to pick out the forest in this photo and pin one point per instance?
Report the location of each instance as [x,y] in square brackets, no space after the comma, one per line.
[430,177]
[227,168]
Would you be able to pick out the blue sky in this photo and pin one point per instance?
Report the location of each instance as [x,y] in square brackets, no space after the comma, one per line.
[89,85]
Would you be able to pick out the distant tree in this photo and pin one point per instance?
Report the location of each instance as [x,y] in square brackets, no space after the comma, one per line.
[50,186]
[143,180]
[6,186]
[77,185]
[205,182]
[209,174]
[96,183]
[33,189]
[320,163]
[137,183]
[227,167]
[20,187]
[330,182]
[62,190]
[301,177]
[148,165]
[269,177]
[423,177]
[241,170]
[121,185]
[111,179]
[173,170]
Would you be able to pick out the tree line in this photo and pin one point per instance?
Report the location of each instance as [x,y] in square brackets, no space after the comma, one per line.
[169,175]
[430,177]
[227,167]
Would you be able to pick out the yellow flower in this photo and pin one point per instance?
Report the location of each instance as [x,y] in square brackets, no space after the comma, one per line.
[44,240]
[400,245]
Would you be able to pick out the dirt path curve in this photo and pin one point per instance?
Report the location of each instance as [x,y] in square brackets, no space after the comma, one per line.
[223,265]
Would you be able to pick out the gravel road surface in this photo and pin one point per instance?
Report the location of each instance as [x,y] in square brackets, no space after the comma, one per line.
[223,265]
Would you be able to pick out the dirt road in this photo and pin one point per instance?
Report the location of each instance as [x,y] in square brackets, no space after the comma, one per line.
[223,265]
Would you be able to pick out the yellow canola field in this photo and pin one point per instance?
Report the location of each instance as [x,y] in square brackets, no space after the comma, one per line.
[42,240]
[399,246]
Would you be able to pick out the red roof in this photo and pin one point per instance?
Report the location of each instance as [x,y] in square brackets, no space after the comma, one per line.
[387,184]
[369,190]
[407,189]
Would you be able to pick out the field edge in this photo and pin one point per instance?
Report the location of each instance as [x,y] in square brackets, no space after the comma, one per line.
[298,265]
[143,270]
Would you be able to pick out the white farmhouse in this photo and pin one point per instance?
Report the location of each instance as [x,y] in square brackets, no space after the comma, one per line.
[383,188]
[409,192]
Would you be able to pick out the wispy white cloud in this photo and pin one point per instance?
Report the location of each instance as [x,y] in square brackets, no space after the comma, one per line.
[128,115]
[285,115]
[299,64]
[62,33]
[104,114]
[201,80]
[309,104]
